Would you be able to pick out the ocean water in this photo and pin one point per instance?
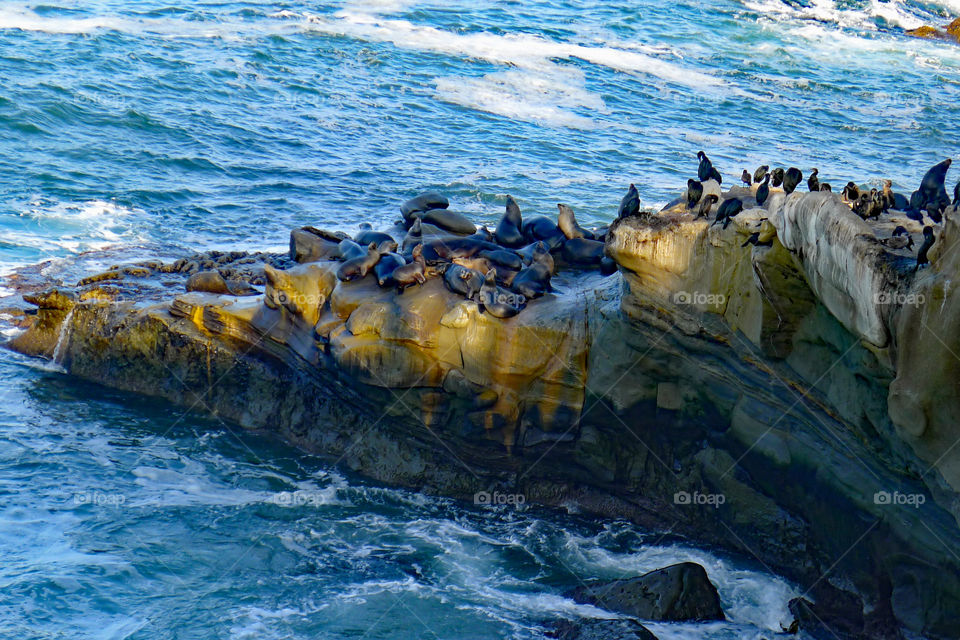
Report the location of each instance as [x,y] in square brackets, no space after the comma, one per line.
[152,128]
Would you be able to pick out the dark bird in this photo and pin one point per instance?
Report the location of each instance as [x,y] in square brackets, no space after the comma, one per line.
[706,204]
[850,192]
[874,204]
[703,171]
[754,239]
[730,208]
[745,178]
[763,191]
[813,182]
[694,193]
[715,175]
[825,186]
[899,239]
[776,178]
[928,241]
[630,204]
[760,172]
[791,180]
[860,206]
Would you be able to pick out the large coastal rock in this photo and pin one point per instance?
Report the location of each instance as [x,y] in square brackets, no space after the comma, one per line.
[792,402]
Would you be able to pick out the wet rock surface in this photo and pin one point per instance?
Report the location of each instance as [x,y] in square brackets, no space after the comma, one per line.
[678,593]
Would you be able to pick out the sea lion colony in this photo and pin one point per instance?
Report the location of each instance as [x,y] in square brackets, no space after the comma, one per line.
[500,270]
[503,269]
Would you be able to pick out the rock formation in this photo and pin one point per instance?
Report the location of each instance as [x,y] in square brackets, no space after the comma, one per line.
[794,403]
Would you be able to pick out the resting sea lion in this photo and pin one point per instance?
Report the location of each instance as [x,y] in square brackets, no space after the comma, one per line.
[349,250]
[438,250]
[582,251]
[385,242]
[462,280]
[449,221]
[423,202]
[542,228]
[385,267]
[358,267]
[413,273]
[508,259]
[499,302]
[534,281]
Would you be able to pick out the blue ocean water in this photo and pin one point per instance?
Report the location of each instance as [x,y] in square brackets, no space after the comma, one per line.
[155,127]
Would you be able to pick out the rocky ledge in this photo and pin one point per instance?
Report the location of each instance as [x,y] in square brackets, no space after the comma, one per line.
[792,400]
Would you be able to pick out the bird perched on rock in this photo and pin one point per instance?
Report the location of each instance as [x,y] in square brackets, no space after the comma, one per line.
[705,168]
[705,205]
[899,239]
[630,204]
[928,240]
[730,208]
[813,182]
[745,178]
[760,172]
[763,191]
[850,193]
[694,193]
[776,177]
[791,179]
[754,239]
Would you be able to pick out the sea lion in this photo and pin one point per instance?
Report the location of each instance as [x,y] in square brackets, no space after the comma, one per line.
[467,282]
[825,186]
[534,281]
[791,179]
[508,230]
[449,221]
[705,205]
[763,191]
[542,228]
[423,202]
[928,240]
[385,267]
[529,251]
[776,177]
[582,251]
[348,250]
[483,234]
[214,282]
[706,167]
[813,182]
[385,242]
[356,268]
[413,238]
[365,226]
[694,193]
[309,247]
[761,171]
[745,178]
[567,222]
[414,272]
[608,266]
[630,204]
[439,250]
[497,301]
[932,186]
[956,195]
[508,259]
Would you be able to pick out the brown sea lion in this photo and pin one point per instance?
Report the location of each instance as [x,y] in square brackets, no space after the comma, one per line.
[412,273]
[567,222]
[356,268]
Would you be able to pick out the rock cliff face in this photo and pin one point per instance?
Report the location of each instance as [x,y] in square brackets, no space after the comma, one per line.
[794,402]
